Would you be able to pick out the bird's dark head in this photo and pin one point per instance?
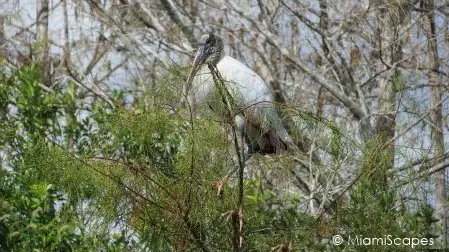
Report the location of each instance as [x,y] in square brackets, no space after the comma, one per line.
[209,52]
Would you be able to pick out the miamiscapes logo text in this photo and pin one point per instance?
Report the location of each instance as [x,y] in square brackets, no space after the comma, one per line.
[386,240]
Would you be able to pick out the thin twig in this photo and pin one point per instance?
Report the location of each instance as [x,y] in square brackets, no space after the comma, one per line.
[230,106]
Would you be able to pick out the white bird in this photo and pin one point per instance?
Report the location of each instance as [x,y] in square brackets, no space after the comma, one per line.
[258,122]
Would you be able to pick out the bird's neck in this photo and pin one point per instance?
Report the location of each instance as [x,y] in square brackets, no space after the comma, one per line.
[217,53]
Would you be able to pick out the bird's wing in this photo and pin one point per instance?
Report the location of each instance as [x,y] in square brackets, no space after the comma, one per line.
[244,81]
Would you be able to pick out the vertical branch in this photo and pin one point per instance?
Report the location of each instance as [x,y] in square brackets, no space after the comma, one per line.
[194,231]
[230,106]
[70,113]
[3,52]
[386,104]
[2,29]
[324,26]
[176,18]
[436,117]
[240,199]
[42,37]
[320,102]
[67,53]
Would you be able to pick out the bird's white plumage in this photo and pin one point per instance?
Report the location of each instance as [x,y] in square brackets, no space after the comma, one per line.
[246,86]
[248,90]
[245,80]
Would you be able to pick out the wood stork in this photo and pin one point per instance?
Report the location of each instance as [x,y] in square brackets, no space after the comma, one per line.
[257,122]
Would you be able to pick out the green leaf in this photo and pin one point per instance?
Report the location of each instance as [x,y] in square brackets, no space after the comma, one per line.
[32,226]
[14,234]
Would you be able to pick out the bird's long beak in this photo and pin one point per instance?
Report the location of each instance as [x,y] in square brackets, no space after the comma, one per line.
[199,59]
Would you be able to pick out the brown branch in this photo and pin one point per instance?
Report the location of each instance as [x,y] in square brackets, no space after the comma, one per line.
[364,172]
[101,94]
[66,50]
[99,53]
[113,70]
[353,106]
[231,111]
[174,15]
[436,168]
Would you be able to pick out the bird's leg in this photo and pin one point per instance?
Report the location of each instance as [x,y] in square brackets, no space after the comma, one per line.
[239,121]
[252,148]
[249,152]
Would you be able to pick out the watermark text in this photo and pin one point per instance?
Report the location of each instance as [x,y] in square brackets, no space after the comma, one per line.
[386,240]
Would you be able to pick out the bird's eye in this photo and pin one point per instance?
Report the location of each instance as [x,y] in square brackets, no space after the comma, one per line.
[208,40]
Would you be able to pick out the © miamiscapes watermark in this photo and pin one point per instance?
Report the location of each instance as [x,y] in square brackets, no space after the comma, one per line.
[386,240]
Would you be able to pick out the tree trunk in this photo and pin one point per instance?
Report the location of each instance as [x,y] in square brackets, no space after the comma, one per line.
[436,116]
[2,37]
[42,39]
[67,53]
[2,29]
[388,32]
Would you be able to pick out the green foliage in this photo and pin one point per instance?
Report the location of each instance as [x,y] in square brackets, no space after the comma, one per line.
[38,109]
[398,81]
[272,221]
[373,209]
[148,137]
[35,214]
[147,176]
[28,110]
[30,218]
